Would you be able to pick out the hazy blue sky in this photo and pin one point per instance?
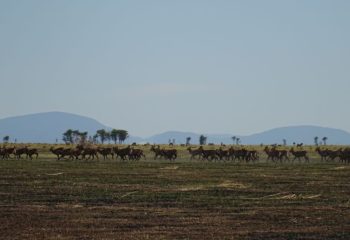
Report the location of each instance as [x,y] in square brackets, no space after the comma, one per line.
[218,66]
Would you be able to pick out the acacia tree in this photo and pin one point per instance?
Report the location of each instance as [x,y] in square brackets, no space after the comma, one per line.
[102,135]
[122,135]
[108,137]
[74,136]
[238,140]
[6,139]
[202,140]
[324,139]
[114,135]
[233,139]
[188,140]
[95,138]
[284,142]
[316,141]
[83,137]
[68,136]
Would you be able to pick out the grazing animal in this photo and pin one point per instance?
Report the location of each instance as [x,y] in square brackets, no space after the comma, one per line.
[210,154]
[123,153]
[272,154]
[301,154]
[170,154]
[71,153]
[31,152]
[19,151]
[239,154]
[231,154]
[222,154]
[333,154]
[283,154]
[57,151]
[252,155]
[136,154]
[2,153]
[7,151]
[67,152]
[324,154]
[344,155]
[276,155]
[74,153]
[91,152]
[105,152]
[156,151]
[195,152]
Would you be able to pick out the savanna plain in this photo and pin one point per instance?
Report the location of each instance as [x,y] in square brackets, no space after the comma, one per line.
[46,198]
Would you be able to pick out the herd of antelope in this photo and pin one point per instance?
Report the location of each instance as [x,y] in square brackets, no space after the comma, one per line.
[195,153]
[6,152]
[224,154]
[92,152]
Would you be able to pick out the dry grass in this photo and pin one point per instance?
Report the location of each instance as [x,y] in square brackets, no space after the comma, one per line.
[49,199]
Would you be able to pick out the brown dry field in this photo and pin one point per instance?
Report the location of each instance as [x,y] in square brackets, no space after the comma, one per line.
[186,199]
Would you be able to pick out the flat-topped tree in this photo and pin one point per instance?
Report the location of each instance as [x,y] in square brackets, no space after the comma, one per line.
[122,135]
[6,139]
[233,139]
[202,140]
[102,135]
[188,140]
[324,139]
[114,135]
[68,136]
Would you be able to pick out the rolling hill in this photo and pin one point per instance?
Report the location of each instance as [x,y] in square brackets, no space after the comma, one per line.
[47,127]
[297,134]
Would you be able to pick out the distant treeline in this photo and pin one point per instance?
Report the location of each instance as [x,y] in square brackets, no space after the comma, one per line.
[101,136]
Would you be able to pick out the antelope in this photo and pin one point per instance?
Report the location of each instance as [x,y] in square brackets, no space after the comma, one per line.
[299,155]
[195,152]
[123,152]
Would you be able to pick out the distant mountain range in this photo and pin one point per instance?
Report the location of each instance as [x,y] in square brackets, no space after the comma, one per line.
[45,127]
[297,134]
[48,127]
